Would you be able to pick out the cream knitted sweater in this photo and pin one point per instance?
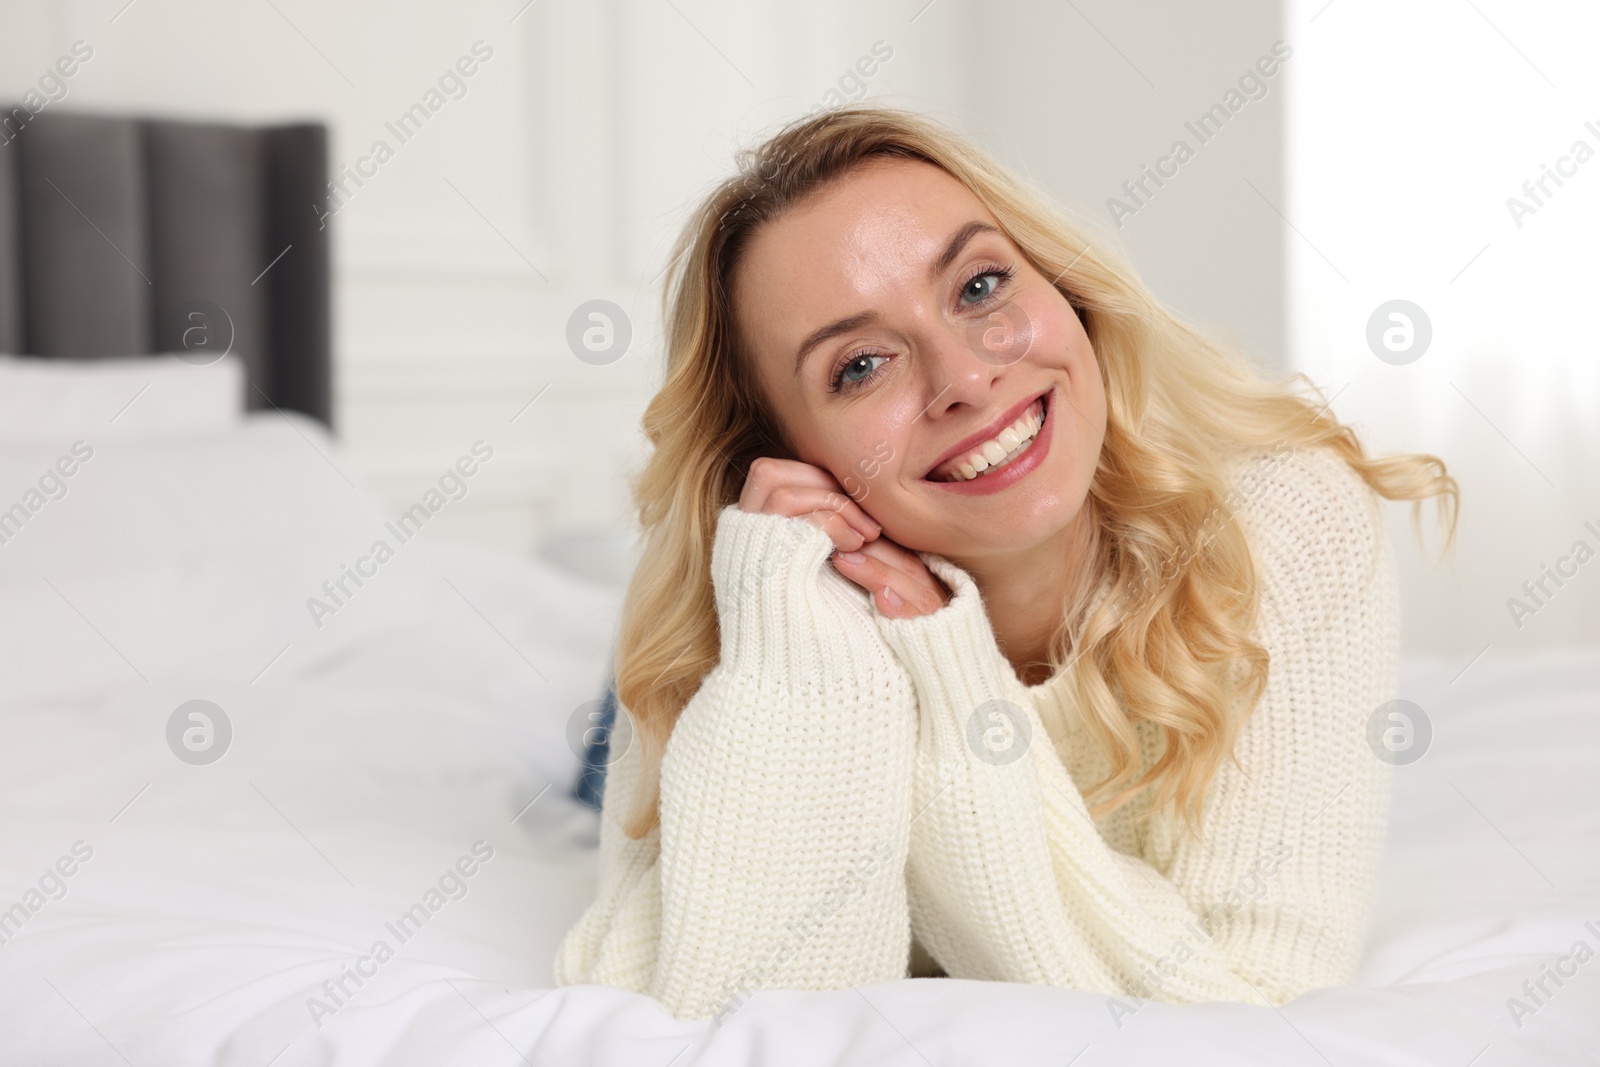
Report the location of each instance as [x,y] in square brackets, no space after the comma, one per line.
[842,781]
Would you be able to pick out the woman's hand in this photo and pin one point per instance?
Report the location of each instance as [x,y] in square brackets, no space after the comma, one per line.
[901,584]
[799,490]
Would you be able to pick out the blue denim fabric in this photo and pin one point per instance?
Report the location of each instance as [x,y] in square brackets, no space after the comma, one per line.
[591,786]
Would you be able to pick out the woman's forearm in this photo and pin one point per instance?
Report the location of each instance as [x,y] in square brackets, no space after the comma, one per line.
[785,791]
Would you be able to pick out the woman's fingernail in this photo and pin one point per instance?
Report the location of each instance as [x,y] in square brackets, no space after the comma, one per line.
[892,597]
[853,557]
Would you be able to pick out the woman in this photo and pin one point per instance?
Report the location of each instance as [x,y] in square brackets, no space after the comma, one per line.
[990,622]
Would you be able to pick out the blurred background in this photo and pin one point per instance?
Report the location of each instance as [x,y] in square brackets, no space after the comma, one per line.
[1442,154]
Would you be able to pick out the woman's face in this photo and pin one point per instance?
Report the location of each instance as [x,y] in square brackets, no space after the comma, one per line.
[891,344]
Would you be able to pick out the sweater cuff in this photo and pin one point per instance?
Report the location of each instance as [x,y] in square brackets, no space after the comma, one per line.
[951,654]
[768,572]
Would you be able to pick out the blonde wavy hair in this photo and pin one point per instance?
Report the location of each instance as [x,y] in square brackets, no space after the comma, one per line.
[1170,644]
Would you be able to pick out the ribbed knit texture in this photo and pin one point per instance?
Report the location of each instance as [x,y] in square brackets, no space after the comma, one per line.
[841,779]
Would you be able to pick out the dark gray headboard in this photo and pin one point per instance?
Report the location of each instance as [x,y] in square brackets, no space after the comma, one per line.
[112,228]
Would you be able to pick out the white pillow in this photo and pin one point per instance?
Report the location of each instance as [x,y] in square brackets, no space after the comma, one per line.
[136,396]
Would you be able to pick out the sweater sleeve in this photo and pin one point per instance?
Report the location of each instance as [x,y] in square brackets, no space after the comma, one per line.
[1010,879]
[785,799]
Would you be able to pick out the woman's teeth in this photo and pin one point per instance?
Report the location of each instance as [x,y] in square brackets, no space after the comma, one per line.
[998,451]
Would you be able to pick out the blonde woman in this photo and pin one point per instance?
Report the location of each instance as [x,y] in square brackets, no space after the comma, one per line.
[991,621]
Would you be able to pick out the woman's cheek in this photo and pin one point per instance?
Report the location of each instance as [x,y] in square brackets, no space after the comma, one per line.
[1055,334]
[1006,335]
[864,467]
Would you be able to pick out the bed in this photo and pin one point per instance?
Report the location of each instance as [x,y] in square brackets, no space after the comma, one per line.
[431,721]
[257,812]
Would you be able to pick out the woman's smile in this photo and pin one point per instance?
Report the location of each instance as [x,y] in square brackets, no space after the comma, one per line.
[1001,467]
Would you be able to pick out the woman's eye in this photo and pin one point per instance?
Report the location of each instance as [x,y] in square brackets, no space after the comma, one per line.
[856,364]
[982,287]
[856,372]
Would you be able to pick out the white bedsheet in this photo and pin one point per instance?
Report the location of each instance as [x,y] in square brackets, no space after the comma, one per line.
[375,752]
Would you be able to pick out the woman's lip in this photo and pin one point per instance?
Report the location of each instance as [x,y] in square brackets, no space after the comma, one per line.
[1017,469]
[983,435]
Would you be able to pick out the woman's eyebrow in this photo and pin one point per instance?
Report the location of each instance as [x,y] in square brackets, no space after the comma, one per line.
[940,264]
[958,241]
[833,329]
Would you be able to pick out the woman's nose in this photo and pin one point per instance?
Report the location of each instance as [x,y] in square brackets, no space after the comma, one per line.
[967,356]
